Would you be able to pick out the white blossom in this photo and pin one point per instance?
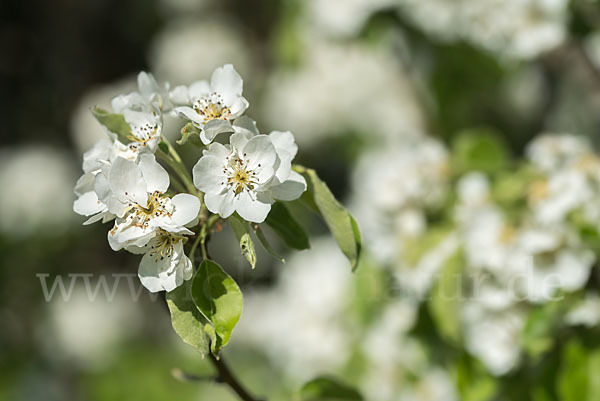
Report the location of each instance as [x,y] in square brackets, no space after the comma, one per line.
[149,96]
[135,194]
[164,265]
[212,106]
[98,160]
[249,174]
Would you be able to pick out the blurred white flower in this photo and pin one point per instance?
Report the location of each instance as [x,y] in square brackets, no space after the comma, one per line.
[392,356]
[88,331]
[36,194]
[552,152]
[523,30]
[343,17]
[586,312]
[392,187]
[371,94]
[189,49]
[300,323]
[493,335]
[546,260]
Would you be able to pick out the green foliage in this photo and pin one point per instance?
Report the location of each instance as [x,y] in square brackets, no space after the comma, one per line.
[218,297]
[574,371]
[541,326]
[340,222]
[328,389]
[242,233]
[473,382]
[287,228]
[446,298]
[186,319]
[417,247]
[115,123]
[265,243]
[479,150]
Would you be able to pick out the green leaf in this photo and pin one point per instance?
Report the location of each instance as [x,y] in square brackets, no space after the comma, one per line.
[340,222]
[115,123]
[328,389]
[573,374]
[473,381]
[444,304]
[479,150]
[219,299]
[286,227]
[242,233]
[542,324]
[186,319]
[265,243]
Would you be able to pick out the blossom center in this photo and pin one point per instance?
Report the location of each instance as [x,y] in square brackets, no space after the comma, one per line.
[212,107]
[240,177]
[163,246]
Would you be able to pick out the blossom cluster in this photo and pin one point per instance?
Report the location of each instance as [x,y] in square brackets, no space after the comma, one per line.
[518,235]
[152,212]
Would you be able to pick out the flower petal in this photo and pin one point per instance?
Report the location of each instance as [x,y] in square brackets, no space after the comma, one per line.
[208,174]
[284,140]
[213,128]
[221,204]
[253,210]
[291,189]
[228,83]
[186,208]
[155,176]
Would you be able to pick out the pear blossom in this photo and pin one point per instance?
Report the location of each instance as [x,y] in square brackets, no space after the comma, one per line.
[164,265]
[249,174]
[149,96]
[212,106]
[98,160]
[135,194]
[145,128]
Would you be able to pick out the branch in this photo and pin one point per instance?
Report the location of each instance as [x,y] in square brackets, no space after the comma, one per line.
[227,377]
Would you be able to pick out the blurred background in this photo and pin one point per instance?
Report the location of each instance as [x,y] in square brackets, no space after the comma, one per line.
[460,133]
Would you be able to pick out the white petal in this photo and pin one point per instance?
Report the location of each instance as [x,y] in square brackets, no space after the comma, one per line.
[208,174]
[101,151]
[221,204]
[260,150]
[247,125]
[84,184]
[238,106]
[284,168]
[227,82]
[147,85]
[284,140]
[155,176]
[180,95]
[88,204]
[251,210]
[126,182]
[199,90]
[291,189]
[151,273]
[218,150]
[190,114]
[239,140]
[186,208]
[213,128]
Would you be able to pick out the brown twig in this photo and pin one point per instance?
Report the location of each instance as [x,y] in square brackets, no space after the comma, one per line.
[227,377]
